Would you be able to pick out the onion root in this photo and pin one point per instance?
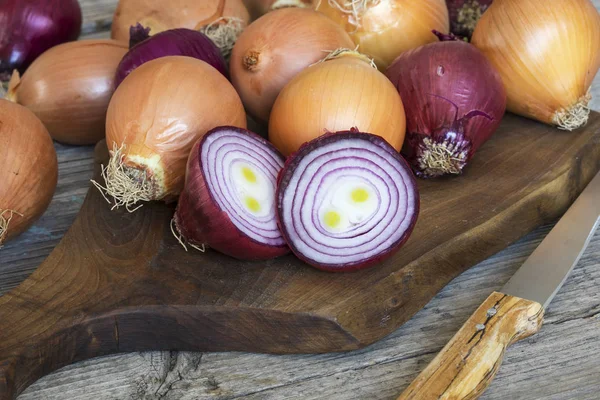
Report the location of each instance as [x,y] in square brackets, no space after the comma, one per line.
[468,15]
[126,185]
[182,241]
[5,217]
[575,116]
[440,158]
[224,32]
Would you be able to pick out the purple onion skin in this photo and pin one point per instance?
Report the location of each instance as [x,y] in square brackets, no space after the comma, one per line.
[464,15]
[174,42]
[199,219]
[30,27]
[451,94]
[286,174]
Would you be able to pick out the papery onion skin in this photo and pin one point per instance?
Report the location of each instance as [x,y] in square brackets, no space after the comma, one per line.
[547,59]
[464,15]
[336,95]
[28,170]
[201,221]
[174,42]
[441,84]
[161,15]
[384,151]
[275,48]
[258,8]
[160,110]
[385,29]
[69,88]
[30,27]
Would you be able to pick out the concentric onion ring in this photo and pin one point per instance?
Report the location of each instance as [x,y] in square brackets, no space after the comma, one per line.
[346,201]
[228,202]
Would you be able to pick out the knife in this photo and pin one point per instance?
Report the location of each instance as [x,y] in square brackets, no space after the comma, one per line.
[468,363]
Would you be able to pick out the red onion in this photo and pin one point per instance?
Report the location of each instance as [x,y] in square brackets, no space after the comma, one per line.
[174,42]
[346,201]
[30,27]
[454,100]
[464,15]
[228,202]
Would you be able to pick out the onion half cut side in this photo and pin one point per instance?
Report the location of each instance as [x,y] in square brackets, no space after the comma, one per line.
[346,201]
[228,202]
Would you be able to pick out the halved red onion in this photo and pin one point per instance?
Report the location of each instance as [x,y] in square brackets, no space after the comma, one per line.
[346,201]
[228,202]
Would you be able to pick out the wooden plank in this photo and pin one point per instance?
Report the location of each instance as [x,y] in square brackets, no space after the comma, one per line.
[561,362]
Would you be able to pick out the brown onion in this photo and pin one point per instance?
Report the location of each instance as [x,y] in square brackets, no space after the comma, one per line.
[154,118]
[220,20]
[383,29]
[69,87]
[344,91]
[28,169]
[275,48]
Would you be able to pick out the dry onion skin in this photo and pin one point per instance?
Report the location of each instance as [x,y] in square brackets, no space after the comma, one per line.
[220,20]
[228,203]
[275,48]
[383,29]
[346,201]
[547,59]
[69,88]
[154,118]
[29,169]
[342,92]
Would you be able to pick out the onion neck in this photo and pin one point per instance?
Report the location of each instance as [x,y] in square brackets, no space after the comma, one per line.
[343,52]
[251,60]
[575,116]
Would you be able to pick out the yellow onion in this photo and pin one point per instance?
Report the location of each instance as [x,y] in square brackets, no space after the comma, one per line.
[547,55]
[68,88]
[342,92]
[258,8]
[276,47]
[155,116]
[28,169]
[383,29]
[220,20]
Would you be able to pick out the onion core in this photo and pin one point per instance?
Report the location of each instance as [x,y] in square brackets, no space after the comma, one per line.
[346,201]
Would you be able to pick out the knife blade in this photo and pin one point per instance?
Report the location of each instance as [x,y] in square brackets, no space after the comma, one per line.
[467,364]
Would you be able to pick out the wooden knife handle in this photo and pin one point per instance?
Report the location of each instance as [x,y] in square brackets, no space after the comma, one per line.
[468,363]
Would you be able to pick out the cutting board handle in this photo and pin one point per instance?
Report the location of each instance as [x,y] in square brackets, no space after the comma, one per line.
[468,363]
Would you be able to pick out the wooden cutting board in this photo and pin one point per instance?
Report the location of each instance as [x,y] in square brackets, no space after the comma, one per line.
[120,282]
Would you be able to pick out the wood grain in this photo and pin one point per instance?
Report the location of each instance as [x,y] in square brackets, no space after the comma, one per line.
[561,362]
[469,362]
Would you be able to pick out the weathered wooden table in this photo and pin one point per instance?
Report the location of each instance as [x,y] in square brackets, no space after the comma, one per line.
[561,362]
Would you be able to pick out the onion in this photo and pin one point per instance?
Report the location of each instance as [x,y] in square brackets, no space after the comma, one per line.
[28,169]
[154,118]
[346,201]
[464,15]
[228,202]
[454,101]
[383,29]
[221,20]
[30,27]
[174,42]
[258,8]
[69,87]
[343,91]
[275,48]
[547,59]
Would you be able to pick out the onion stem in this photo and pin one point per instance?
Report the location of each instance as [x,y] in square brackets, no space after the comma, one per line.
[127,186]
[342,52]
[575,116]
[5,221]
[224,32]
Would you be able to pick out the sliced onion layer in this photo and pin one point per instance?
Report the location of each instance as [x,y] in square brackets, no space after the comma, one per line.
[346,201]
[228,202]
